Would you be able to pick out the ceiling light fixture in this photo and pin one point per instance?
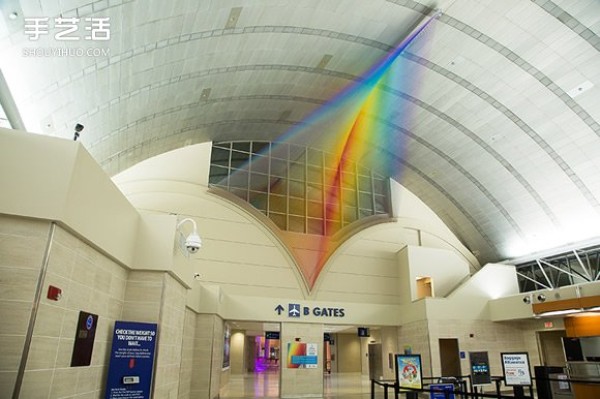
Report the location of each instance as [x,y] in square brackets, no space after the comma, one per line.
[13,15]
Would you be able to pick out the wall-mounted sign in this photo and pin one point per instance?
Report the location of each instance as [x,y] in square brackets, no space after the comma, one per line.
[302,355]
[515,367]
[363,332]
[296,310]
[480,368]
[131,360]
[271,334]
[409,371]
[84,339]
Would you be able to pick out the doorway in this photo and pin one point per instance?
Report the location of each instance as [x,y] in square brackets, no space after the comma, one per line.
[450,357]
[551,347]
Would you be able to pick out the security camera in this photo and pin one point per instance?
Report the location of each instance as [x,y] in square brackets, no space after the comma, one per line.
[527,300]
[193,243]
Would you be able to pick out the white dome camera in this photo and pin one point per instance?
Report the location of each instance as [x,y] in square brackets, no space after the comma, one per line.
[192,242]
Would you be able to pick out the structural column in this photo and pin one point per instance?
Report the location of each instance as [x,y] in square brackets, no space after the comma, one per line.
[304,381]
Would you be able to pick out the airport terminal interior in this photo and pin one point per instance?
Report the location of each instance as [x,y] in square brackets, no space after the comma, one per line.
[238,199]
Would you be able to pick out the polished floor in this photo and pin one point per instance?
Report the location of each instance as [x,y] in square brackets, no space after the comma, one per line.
[266,385]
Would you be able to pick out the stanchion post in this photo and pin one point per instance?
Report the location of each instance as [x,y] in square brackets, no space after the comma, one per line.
[372,389]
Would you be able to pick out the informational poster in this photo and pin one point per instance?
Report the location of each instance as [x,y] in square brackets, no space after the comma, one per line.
[480,368]
[441,391]
[226,347]
[302,355]
[131,361]
[516,369]
[84,339]
[409,371]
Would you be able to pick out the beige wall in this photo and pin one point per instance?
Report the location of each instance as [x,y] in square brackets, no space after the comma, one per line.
[186,372]
[238,342]
[208,357]
[349,353]
[89,281]
[22,246]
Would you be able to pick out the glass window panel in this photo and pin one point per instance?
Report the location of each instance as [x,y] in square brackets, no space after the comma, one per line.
[315,175]
[297,171]
[239,159]
[349,197]
[277,203]
[243,194]
[379,186]
[260,147]
[243,146]
[278,167]
[380,204]
[314,157]
[331,160]
[349,180]
[259,182]
[258,200]
[332,210]
[278,186]
[314,192]
[279,219]
[365,213]
[314,226]
[365,201]
[259,164]
[315,209]
[279,151]
[364,183]
[349,214]
[296,224]
[219,156]
[223,144]
[297,153]
[332,227]
[297,207]
[296,188]
[218,173]
[239,179]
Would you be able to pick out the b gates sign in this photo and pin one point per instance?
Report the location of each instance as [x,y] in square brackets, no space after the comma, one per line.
[296,310]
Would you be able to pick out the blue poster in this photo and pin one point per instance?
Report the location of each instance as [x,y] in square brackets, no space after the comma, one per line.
[441,391]
[131,361]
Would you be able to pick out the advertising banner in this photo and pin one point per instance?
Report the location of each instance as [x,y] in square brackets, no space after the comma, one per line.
[131,361]
[516,369]
[408,371]
[302,355]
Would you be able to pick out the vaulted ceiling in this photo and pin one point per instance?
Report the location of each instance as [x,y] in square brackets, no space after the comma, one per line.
[497,110]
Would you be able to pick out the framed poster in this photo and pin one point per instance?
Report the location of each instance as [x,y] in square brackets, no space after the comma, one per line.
[409,373]
[226,347]
[302,355]
[515,367]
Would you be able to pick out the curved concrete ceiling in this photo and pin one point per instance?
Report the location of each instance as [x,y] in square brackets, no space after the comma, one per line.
[500,133]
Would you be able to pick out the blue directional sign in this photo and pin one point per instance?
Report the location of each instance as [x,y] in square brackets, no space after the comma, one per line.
[441,391]
[131,361]
[294,310]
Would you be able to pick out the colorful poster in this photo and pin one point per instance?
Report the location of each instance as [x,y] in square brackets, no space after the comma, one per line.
[131,361]
[516,369]
[302,355]
[408,371]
